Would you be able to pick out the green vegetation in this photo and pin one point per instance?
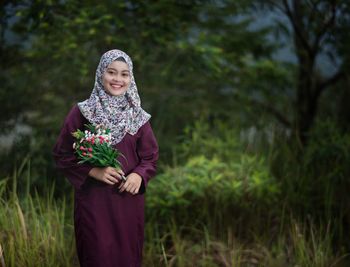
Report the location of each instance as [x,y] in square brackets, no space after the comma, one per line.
[250,105]
[35,230]
[202,212]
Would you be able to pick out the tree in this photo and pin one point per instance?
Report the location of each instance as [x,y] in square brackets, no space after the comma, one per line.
[314,30]
[290,92]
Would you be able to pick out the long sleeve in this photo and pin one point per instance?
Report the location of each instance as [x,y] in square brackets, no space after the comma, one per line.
[147,150]
[63,152]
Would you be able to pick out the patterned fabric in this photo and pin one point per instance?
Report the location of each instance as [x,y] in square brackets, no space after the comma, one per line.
[121,114]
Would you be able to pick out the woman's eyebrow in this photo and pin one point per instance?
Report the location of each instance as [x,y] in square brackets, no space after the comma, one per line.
[109,68]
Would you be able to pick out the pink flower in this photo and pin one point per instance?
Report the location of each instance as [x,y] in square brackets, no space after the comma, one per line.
[90,149]
[82,148]
[84,153]
[90,155]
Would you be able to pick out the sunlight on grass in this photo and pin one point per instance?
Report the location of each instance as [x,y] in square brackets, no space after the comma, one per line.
[37,230]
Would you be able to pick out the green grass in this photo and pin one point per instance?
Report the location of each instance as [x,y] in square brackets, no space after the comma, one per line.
[199,248]
[37,229]
[36,234]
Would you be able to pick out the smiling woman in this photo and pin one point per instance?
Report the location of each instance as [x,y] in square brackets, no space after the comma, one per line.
[109,212]
[116,78]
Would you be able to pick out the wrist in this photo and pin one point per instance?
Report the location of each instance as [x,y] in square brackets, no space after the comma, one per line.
[94,172]
[135,174]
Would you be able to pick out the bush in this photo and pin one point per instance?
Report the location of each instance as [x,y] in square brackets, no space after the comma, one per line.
[211,191]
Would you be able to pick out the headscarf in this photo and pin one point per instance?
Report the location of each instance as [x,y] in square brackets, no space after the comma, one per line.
[121,114]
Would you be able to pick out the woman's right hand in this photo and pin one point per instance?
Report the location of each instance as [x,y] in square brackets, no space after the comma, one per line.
[108,175]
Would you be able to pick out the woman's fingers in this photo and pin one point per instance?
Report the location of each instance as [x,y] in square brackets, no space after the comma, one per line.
[108,181]
[120,171]
[107,175]
[134,191]
[128,187]
[111,178]
[121,187]
[125,186]
[116,173]
[121,174]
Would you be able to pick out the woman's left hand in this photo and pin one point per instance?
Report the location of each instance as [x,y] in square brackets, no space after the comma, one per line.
[132,184]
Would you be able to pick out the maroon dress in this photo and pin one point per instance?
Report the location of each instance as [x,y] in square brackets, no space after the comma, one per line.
[109,226]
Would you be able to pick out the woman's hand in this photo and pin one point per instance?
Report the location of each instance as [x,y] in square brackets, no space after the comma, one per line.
[132,184]
[108,175]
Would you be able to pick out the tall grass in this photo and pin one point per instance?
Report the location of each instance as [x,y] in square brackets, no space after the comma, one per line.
[34,229]
[298,245]
[217,207]
[37,231]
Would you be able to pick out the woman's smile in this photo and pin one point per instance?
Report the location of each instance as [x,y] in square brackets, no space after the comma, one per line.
[116,85]
[116,79]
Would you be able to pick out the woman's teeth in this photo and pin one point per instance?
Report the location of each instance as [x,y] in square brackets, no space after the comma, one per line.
[116,86]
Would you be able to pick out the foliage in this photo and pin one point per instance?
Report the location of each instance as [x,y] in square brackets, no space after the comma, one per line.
[94,146]
[293,247]
[63,42]
[211,184]
[38,231]
[213,68]
[314,185]
[35,230]
[214,182]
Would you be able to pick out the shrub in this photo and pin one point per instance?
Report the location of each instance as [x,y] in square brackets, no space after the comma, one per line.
[205,186]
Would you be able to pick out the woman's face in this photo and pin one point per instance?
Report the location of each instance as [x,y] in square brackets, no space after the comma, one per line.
[116,79]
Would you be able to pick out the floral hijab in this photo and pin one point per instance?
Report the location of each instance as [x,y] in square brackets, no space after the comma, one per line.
[121,114]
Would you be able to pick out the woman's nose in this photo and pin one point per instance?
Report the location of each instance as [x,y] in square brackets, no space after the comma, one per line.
[116,77]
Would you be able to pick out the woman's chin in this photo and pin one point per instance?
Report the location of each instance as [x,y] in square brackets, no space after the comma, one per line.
[116,92]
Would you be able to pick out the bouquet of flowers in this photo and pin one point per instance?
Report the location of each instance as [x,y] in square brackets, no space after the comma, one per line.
[94,146]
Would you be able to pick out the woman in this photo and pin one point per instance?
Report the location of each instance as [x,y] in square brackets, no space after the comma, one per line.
[108,211]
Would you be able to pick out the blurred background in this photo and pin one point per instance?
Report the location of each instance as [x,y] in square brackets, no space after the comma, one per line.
[250,106]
